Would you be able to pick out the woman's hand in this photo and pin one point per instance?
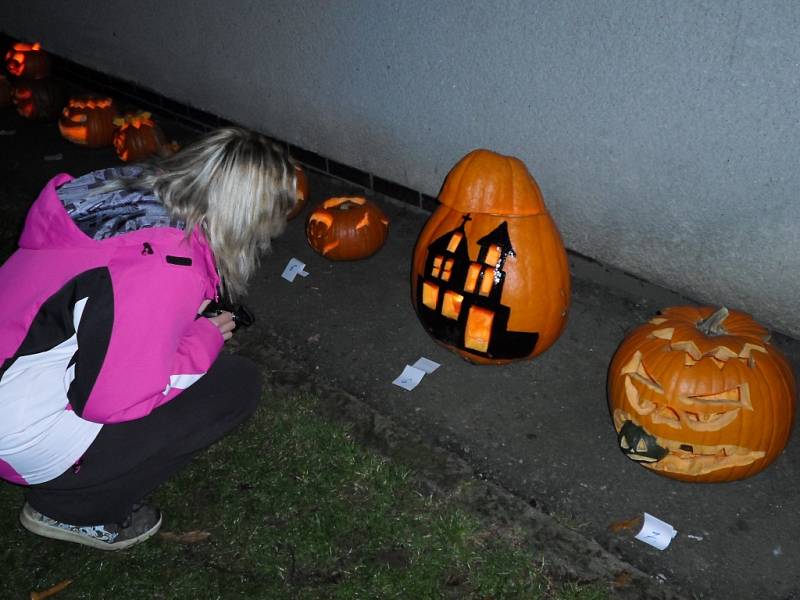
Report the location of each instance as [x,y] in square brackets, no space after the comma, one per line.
[224,321]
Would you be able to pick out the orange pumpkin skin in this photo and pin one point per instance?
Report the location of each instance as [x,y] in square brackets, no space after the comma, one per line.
[347,228]
[5,92]
[506,293]
[39,99]
[301,193]
[88,121]
[137,137]
[701,404]
[28,61]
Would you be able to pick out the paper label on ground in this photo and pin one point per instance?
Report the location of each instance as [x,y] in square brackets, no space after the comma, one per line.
[427,365]
[294,268]
[656,532]
[409,378]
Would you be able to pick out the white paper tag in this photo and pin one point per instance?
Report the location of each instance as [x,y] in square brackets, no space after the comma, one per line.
[409,378]
[294,268]
[656,532]
[427,365]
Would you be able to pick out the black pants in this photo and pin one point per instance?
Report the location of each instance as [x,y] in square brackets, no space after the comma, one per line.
[127,461]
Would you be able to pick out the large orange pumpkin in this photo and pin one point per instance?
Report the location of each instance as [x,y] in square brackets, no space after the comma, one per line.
[347,228]
[490,278]
[88,121]
[28,61]
[701,395]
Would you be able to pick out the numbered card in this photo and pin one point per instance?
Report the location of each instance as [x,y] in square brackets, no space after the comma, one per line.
[656,532]
[409,378]
[426,364]
[294,268]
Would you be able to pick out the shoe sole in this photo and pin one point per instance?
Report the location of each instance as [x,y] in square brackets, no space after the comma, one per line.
[33,525]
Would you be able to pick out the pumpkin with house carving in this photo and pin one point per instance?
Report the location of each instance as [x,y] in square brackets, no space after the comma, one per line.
[701,395]
[490,278]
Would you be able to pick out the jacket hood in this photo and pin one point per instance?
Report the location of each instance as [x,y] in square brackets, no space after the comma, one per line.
[48,225]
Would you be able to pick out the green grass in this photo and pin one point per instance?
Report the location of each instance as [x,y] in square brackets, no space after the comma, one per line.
[294,509]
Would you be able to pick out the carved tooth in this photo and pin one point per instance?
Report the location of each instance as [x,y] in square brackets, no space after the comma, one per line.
[749,348]
[623,443]
[641,446]
[639,458]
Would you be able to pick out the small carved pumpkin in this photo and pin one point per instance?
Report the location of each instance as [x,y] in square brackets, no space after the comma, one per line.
[28,61]
[699,395]
[347,228]
[88,121]
[137,137]
[5,92]
[39,99]
[490,279]
[301,193]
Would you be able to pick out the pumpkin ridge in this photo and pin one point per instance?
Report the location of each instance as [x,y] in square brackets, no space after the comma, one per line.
[491,183]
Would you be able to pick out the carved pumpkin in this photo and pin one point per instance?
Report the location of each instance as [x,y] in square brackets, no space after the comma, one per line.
[88,121]
[39,99]
[5,92]
[347,228]
[137,137]
[490,278]
[301,193]
[28,61]
[700,395]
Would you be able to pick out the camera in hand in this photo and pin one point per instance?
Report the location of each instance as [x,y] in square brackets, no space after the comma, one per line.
[242,317]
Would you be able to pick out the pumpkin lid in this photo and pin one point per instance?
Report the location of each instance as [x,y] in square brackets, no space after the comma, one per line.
[487,182]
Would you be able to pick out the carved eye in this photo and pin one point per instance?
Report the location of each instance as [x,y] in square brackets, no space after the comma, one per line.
[635,371]
[712,412]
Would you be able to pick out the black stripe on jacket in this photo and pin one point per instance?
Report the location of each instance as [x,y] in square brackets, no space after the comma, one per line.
[53,324]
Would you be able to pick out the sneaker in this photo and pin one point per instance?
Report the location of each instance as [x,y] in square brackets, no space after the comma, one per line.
[143,522]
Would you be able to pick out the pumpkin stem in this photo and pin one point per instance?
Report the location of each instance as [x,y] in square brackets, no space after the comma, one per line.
[713,324]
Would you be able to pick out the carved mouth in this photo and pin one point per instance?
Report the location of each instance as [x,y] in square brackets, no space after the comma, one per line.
[662,454]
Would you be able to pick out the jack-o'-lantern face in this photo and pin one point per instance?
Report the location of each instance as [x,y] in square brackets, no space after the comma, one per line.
[88,121]
[347,228]
[699,397]
[28,61]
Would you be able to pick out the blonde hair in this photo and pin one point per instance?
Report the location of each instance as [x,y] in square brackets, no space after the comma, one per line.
[236,185]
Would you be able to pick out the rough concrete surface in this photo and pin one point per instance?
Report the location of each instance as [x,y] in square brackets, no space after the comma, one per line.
[529,446]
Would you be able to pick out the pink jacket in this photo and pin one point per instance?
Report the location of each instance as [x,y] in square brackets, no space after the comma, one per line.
[94,332]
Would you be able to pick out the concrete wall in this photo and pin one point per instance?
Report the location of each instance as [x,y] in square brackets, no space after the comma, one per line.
[664,135]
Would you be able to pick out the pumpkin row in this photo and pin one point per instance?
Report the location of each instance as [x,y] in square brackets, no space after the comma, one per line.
[695,394]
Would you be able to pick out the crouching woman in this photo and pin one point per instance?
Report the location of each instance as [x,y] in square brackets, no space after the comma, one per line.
[110,378]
